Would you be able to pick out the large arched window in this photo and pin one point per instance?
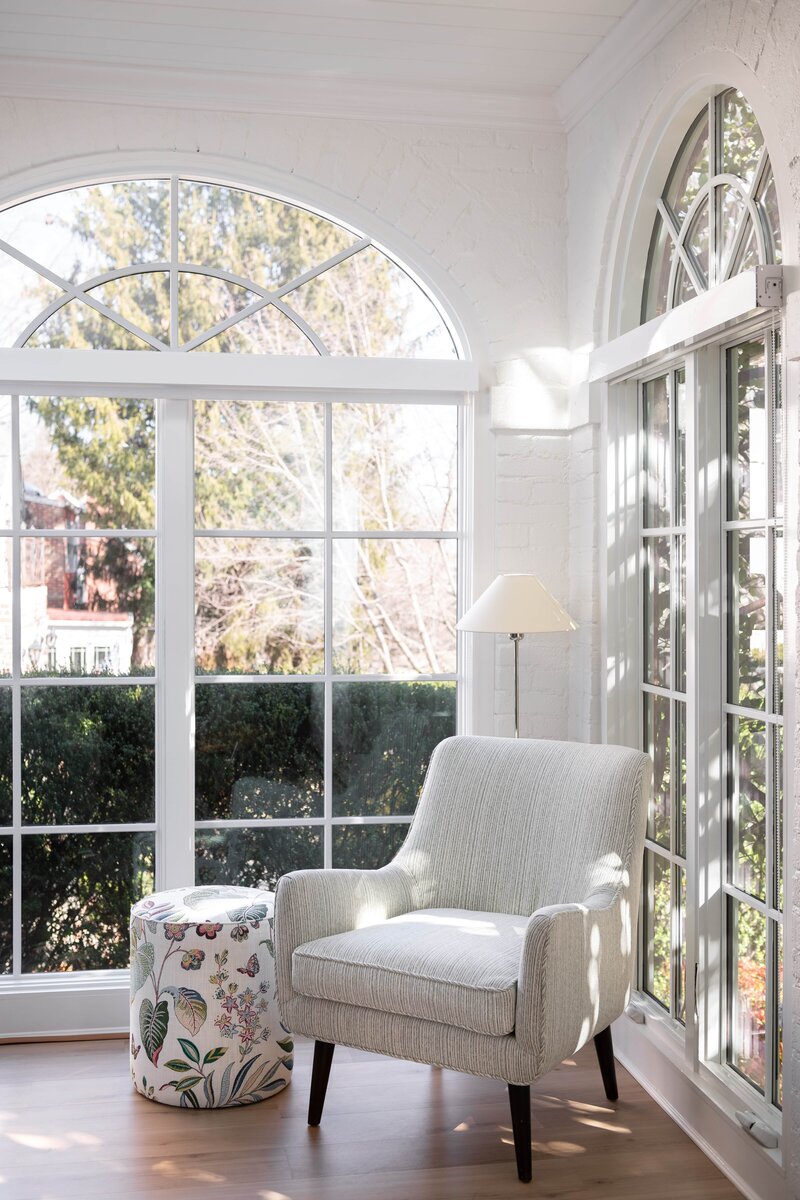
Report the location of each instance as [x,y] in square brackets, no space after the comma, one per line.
[268,570]
[718,212]
[696,438]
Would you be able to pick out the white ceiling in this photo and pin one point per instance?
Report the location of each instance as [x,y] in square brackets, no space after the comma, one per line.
[386,57]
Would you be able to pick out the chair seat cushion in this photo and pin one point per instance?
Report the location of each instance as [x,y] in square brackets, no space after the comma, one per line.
[441,964]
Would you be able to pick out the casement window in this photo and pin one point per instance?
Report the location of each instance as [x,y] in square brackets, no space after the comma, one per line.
[232,554]
[696,580]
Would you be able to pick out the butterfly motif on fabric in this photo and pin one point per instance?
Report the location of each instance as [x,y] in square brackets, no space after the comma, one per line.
[251,968]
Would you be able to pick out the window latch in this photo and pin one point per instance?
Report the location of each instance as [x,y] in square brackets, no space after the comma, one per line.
[757,1129]
[769,286]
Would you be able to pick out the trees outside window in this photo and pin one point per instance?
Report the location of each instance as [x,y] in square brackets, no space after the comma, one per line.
[326,559]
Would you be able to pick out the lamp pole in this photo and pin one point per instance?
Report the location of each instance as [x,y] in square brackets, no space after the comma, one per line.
[516,638]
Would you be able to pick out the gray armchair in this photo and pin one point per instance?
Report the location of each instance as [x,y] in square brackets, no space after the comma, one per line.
[499,939]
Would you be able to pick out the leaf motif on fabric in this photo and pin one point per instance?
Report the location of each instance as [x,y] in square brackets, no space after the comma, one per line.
[190,1007]
[141,966]
[153,1024]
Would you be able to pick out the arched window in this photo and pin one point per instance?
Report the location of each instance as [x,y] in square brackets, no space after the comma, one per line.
[180,264]
[695,421]
[718,212]
[227,610]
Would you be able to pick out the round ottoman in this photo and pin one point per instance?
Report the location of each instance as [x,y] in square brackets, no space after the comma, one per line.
[205,1029]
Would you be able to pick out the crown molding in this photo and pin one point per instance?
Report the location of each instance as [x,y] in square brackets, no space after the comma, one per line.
[285,95]
[637,33]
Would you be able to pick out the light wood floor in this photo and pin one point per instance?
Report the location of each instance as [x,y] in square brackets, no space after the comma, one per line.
[72,1127]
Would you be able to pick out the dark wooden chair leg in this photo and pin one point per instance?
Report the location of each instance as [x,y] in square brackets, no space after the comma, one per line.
[519,1095]
[605,1056]
[323,1057]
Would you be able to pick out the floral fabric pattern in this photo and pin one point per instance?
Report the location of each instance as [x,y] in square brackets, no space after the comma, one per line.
[205,1028]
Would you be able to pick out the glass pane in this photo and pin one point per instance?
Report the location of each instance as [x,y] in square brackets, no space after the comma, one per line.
[395,466]
[5,461]
[779,1018]
[266,331]
[88,605]
[255,857]
[142,299]
[657,611]
[82,232]
[77,893]
[88,755]
[777,649]
[679,727]
[747,633]
[690,169]
[6,905]
[259,465]
[366,847]
[732,212]
[204,301]
[777,744]
[368,306]
[741,136]
[747,424]
[681,423]
[657,745]
[250,235]
[258,605]
[24,295]
[768,198]
[658,928]
[747,255]
[394,606]
[697,237]
[78,326]
[777,430]
[88,463]
[655,300]
[5,605]
[656,459]
[684,288]
[6,761]
[258,750]
[748,967]
[681,980]
[748,753]
[680,623]
[383,737]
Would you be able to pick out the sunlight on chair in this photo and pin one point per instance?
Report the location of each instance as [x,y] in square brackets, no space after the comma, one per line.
[273,1196]
[84,1139]
[464,924]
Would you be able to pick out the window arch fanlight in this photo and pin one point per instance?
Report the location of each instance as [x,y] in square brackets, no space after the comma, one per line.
[182,264]
[718,213]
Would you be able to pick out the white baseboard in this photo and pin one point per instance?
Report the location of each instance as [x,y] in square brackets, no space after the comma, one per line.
[755,1173]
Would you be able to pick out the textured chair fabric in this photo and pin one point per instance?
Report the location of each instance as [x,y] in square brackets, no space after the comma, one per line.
[441,964]
[540,837]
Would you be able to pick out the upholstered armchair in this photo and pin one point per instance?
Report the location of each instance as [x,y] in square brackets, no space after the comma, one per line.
[499,939]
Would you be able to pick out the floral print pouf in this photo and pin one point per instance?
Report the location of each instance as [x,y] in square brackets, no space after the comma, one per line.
[205,1029]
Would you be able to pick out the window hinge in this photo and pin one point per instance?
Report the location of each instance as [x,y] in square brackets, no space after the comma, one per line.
[757,1129]
[769,286]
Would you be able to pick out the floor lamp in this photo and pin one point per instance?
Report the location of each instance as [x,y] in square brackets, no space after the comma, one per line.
[516,605]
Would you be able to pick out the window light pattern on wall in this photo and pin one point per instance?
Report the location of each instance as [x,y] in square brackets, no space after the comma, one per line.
[180,264]
[718,213]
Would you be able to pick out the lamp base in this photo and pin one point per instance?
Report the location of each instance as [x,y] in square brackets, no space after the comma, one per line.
[516,638]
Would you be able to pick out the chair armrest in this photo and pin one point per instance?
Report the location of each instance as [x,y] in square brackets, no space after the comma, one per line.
[317,904]
[575,974]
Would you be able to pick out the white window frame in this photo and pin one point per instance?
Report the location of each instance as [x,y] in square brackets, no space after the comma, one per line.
[678,1066]
[88,1002]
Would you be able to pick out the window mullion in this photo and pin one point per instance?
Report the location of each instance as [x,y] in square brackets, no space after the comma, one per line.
[175,645]
[16,693]
[328,634]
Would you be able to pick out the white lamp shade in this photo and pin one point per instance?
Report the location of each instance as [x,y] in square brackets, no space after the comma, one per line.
[516,604]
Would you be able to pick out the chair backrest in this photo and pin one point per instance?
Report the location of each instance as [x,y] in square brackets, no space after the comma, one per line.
[507,825]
